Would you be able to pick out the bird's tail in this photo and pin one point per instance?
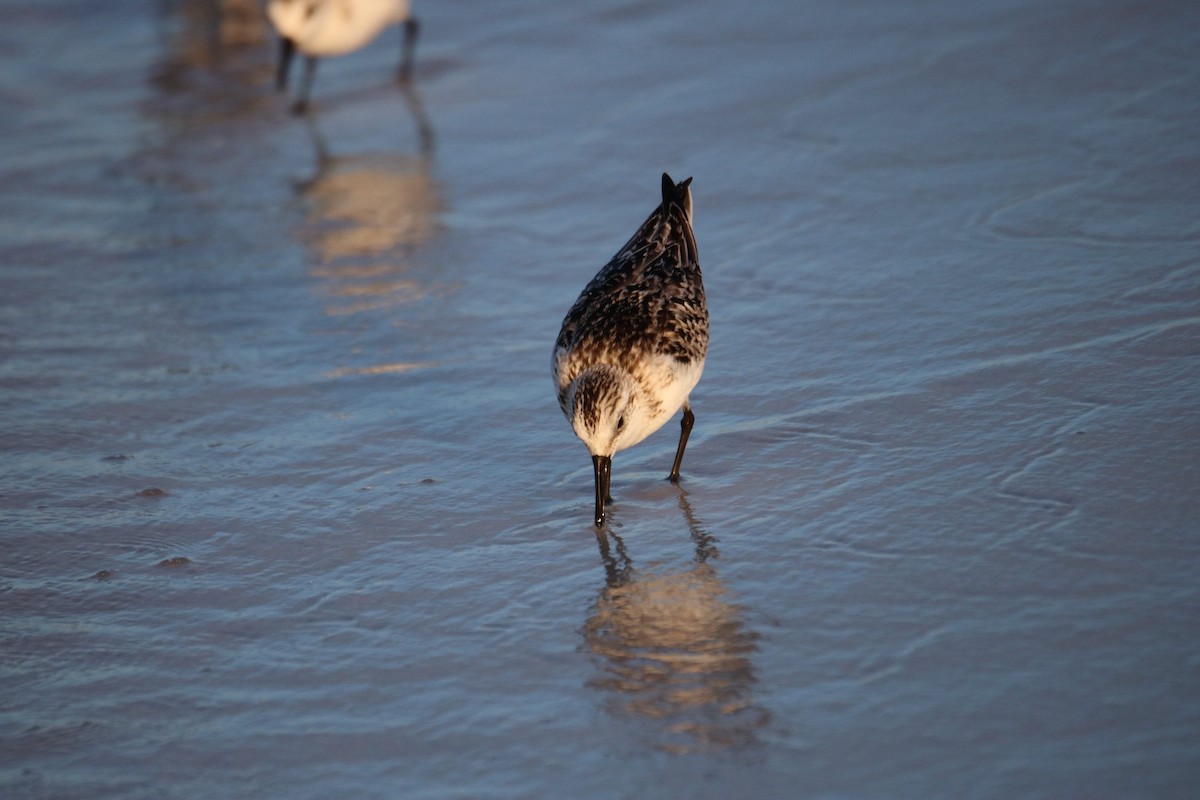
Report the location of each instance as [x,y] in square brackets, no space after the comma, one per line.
[677,194]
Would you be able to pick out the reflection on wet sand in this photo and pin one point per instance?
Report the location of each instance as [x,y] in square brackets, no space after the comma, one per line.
[674,649]
[213,26]
[366,213]
[214,62]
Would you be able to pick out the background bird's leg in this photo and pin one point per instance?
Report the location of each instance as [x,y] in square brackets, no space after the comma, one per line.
[411,26]
[685,429]
[287,49]
[310,72]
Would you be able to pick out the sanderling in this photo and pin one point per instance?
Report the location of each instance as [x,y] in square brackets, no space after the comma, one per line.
[632,347]
[320,28]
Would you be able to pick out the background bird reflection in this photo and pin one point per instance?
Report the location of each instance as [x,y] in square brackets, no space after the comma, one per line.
[366,212]
[673,648]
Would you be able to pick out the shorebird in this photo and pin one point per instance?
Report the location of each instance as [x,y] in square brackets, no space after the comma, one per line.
[632,347]
[319,28]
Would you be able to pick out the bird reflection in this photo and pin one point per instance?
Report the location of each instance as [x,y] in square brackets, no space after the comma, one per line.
[674,648]
[214,55]
[212,27]
[366,213]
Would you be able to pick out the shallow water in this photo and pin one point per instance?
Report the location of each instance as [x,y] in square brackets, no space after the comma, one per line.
[289,509]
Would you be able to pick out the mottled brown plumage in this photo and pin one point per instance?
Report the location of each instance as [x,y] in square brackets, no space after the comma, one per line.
[633,345]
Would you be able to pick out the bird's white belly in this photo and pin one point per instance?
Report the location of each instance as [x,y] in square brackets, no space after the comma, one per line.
[667,384]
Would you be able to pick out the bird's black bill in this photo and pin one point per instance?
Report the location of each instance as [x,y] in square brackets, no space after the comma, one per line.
[685,430]
[603,468]
[287,49]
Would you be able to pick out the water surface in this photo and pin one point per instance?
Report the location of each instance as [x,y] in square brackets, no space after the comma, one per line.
[289,509]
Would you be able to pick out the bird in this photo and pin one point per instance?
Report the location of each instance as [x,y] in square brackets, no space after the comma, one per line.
[633,346]
[320,28]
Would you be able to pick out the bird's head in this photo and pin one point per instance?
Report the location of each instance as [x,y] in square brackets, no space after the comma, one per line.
[607,410]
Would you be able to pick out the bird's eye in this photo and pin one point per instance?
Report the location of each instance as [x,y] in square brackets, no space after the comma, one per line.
[620,423]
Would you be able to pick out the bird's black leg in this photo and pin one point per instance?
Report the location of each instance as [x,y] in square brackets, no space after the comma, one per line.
[287,49]
[685,429]
[407,47]
[310,72]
